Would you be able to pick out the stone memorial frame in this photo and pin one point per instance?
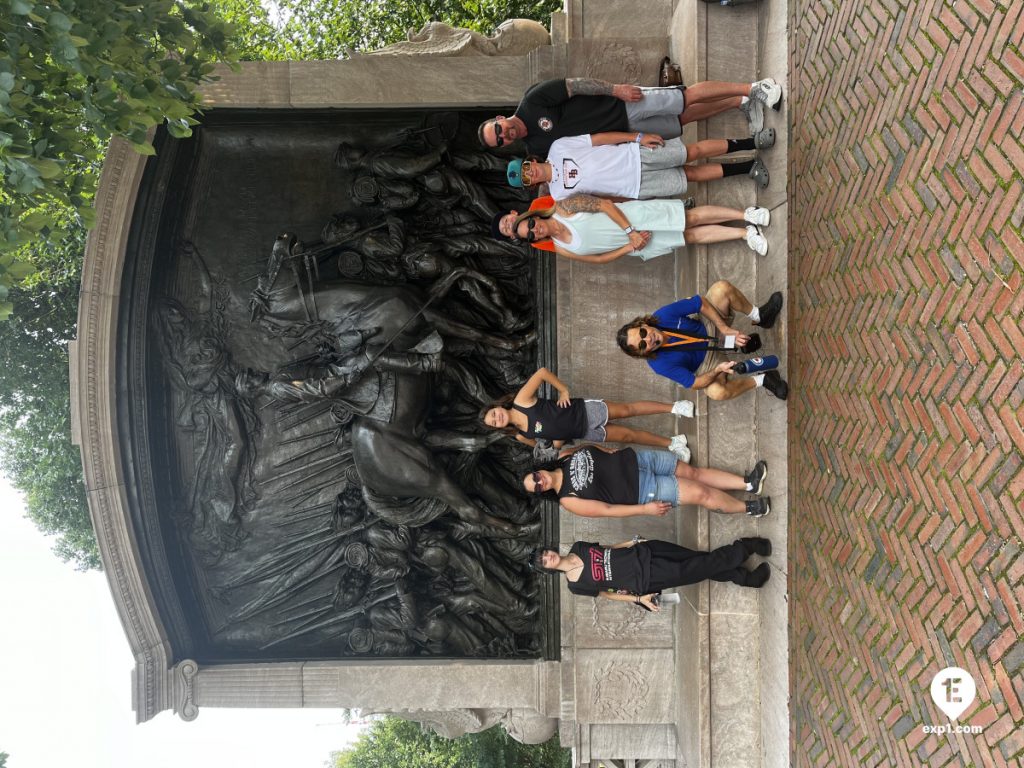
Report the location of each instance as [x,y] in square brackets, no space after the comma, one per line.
[530,698]
[514,692]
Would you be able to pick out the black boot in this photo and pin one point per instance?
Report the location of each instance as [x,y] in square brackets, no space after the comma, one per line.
[755,545]
[758,577]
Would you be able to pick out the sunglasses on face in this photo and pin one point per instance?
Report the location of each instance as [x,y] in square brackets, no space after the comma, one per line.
[530,236]
[642,333]
[536,483]
[498,141]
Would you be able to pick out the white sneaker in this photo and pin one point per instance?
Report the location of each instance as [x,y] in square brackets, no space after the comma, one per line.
[757,242]
[683,408]
[767,91]
[677,445]
[760,216]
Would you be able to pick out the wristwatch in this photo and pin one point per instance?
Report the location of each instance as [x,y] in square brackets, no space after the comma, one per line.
[628,229]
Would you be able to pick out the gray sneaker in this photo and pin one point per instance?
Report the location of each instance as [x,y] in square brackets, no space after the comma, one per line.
[754,110]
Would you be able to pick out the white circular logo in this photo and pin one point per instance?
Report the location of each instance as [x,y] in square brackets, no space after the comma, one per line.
[545,124]
[953,691]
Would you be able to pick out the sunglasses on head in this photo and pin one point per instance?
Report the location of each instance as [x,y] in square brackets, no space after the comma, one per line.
[536,483]
[498,141]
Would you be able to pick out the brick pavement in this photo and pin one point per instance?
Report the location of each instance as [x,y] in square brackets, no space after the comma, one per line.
[907,443]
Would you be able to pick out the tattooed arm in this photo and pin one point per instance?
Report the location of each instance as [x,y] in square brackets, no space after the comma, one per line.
[584,204]
[589,86]
[592,204]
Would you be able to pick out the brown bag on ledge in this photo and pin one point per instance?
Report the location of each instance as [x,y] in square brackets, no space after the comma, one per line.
[669,73]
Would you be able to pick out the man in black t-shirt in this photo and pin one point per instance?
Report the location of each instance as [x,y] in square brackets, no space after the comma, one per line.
[576,106]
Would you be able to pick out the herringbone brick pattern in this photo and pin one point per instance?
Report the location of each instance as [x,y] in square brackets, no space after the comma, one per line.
[907,452]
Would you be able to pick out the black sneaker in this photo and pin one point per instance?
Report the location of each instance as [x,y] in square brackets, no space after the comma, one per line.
[755,477]
[776,385]
[759,507]
[758,577]
[753,345]
[770,310]
[755,545]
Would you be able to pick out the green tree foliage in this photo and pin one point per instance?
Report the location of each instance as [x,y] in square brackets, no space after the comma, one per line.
[73,74]
[395,743]
[35,411]
[327,29]
[3,759]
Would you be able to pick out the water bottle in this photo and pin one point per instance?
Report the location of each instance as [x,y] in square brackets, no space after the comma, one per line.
[756,364]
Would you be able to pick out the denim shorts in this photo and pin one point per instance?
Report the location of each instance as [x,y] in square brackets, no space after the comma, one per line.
[657,476]
[597,419]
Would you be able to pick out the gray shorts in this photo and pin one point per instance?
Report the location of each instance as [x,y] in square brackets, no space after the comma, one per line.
[661,172]
[657,112]
[597,417]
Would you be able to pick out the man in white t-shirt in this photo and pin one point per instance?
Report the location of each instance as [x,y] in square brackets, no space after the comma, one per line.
[634,165]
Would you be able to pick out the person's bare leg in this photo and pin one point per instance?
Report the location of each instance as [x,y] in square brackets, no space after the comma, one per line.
[714,478]
[727,389]
[714,233]
[727,298]
[691,492]
[705,172]
[703,111]
[706,148]
[711,214]
[636,408]
[714,90]
[619,434]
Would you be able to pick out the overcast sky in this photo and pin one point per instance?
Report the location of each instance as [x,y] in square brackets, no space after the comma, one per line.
[65,693]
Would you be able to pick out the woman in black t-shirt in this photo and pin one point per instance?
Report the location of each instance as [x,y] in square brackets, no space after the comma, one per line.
[635,571]
[594,481]
[529,417]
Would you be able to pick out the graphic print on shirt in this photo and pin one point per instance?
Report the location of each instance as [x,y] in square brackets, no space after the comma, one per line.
[545,124]
[570,173]
[538,427]
[581,470]
[600,564]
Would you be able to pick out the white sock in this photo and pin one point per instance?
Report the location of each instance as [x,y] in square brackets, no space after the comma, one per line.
[744,100]
[759,380]
[750,487]
[755,315]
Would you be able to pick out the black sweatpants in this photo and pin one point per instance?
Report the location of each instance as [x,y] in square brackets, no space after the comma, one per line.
[674,566]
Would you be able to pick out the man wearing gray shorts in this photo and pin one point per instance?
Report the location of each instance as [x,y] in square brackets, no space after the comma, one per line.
[631,166]
[554,109]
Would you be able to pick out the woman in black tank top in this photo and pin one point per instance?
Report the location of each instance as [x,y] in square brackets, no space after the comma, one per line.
[528,417]
[594,481]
